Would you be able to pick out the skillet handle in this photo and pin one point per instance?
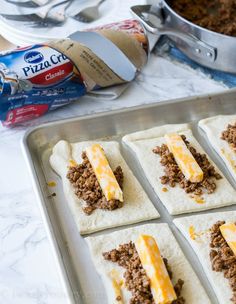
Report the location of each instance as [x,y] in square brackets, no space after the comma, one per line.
[144,13]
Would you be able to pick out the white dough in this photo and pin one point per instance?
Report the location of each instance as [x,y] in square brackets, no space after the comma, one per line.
[193,291]
[202,223]
[175,199]
[213,127]
[137,206]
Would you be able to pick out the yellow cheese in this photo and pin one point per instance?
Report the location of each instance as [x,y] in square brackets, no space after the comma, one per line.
[162,289]
[51,184]
[116,285]
[192,232]
[184,158]
[104,174]
[72,163]
[229,233]
[229,158]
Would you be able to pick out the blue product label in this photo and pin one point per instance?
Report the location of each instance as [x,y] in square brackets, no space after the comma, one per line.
[35,80]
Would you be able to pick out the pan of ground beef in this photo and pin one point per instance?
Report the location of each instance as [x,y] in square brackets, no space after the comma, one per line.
[203,30]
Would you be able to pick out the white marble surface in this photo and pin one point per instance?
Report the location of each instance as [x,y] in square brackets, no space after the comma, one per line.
[28,273]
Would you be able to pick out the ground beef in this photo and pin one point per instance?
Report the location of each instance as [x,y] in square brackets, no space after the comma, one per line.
[229,135]
[87,188]
[136,280]
[173,174]
[218,15]
[223,258]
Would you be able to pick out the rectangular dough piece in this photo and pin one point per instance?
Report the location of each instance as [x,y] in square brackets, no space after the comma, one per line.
[137,206]
[175,199]
[201,224]
[193,291]
[213,127]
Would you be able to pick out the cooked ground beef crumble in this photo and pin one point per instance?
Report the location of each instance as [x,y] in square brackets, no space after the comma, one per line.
[217,15]
[136,280]
[223,258]
[87,188]
[229,135]
[173,174]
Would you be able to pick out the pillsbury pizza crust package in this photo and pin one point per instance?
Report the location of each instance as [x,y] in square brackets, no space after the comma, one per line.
[43,77]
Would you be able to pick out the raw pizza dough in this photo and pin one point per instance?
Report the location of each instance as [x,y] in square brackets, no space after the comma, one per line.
[202,223]
[193,291]
[137,206]
[213,127]
[175,199]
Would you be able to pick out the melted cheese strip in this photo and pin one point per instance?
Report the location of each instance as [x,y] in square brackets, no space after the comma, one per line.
[104,174]
[229,233]
[116,285]
[184,158]
[161,286]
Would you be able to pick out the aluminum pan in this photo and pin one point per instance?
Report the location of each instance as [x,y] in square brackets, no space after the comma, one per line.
[75,267]
[224,45]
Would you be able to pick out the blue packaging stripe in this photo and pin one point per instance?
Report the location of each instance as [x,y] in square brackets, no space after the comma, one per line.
[227,78]
[35,80]
[166,46]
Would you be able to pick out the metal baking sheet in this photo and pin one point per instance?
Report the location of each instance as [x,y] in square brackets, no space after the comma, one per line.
[79,277]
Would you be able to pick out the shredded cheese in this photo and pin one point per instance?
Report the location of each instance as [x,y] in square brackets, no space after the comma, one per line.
[116,285]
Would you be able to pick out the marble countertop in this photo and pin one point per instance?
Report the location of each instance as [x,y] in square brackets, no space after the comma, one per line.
[28,271]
